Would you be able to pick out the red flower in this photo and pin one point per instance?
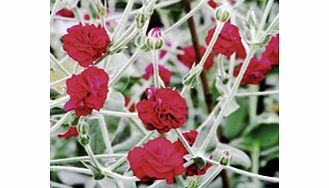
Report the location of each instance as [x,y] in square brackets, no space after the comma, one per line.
[158,159]
[73,131]
[132,106]
[163,110]
[188,58]
[65,12]
[164,73]
[228,41]
[213,4]
[194,168]
[255,72]
[85,44]
[272,50]
[87,91]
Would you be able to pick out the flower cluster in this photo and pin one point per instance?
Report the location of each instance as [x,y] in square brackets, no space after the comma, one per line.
[87,90]
[163,109]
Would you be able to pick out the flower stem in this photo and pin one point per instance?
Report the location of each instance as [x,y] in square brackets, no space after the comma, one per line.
[185,143]
[118,114]
[228,99]
[265,15]
[245,173]
[123,19]
[211,177]
[260,93]
[83,158]
[55,61]
[105,134]
[155,54]
[53,11]
[187,16]
[120,72]
[78,15]
[60,122]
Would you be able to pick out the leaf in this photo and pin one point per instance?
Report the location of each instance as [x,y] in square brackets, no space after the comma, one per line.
[200,162]
[54,94]
[263,135]
[234,124]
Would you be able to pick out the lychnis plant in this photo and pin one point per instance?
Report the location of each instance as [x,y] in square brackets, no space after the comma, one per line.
[164,93]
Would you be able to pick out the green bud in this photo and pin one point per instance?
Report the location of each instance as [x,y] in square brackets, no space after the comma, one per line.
[83,128]
[223,13]
[84,139]
[140,20]
[251,17]
[225,157]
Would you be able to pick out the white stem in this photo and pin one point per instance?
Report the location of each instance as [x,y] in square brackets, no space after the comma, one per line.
[59,101]
[105,134]
[120,72]
[60,122]
[260,93]
[186,17]
[53,11]
[60,81]
[156,76]
[159,5]
[245,173]
[119,114]
[78,15]
[265,15]
[55,61]
[211,177]
[123,19]
[228,100]
[59,185]
[260,177]
[84,158]
[185,143]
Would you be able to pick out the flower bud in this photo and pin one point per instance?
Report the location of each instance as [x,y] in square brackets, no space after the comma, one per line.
[140,20]
[225,157]
[155,39]
[223,13]
[251,17]
[84,139]
[83,128]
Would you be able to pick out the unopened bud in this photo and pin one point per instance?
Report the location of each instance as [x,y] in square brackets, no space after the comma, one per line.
[140,20]
[251,17]
[223,13]
[84,139]
[155,39]
[225,157]
[83,127]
